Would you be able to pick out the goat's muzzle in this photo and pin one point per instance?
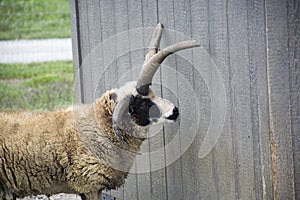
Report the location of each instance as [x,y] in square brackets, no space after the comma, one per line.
[174,114]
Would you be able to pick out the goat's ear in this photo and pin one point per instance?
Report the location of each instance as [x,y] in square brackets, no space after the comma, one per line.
[113,96]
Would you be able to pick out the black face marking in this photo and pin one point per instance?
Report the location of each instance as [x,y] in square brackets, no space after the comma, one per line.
[174,114]
[143,110]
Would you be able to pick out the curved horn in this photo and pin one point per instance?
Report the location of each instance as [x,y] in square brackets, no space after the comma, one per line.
[119,110]
[150,67]
[155,41]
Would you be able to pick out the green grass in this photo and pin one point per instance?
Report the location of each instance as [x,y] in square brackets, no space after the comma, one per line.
[37,86]
[34,19]
[21,71]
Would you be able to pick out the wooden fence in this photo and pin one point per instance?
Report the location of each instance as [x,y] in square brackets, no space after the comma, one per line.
[255,45]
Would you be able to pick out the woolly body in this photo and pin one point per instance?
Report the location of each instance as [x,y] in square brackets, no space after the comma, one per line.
[65,151]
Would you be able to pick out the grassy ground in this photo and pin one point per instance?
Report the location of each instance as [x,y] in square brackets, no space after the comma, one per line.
[30,19]
[36,86]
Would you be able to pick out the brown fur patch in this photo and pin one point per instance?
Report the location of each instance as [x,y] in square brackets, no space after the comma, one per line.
[51,152]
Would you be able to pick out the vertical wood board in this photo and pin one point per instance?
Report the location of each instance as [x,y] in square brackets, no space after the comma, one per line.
[255,46]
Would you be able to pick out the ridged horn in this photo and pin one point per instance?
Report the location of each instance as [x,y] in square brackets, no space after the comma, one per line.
[155,41]
[151,65]
[119,110]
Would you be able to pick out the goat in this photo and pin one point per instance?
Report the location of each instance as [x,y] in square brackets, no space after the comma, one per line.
[81,149]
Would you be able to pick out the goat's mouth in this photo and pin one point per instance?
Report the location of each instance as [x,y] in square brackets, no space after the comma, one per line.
[174,115]
[169,117]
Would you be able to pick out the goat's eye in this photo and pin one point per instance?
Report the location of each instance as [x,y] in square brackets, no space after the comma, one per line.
[131,101]
[131,109]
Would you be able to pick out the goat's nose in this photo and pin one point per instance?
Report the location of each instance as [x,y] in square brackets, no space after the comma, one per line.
[174,114]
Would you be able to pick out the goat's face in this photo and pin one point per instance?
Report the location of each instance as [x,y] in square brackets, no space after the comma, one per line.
[137,98]
[146,110]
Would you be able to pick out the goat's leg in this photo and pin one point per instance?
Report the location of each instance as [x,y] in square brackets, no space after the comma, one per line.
[92,196]
[155,41]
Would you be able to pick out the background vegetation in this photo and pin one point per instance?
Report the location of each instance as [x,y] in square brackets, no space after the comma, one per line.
[36,86]
[28,19]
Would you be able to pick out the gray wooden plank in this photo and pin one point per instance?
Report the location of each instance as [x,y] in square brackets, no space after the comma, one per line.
[157,177]
[293,9]
[241,112]
[213,177]
[139,38]
[173,170]
[223,152]
[259,100]
[278,78]
[134,15]
[131,188]
[121,25]
[110,69]
[95,55]
[205,169]
[84,44]
[143,179]
[109,50]
[94,23]
[182,17]
[76,50]
[136,39]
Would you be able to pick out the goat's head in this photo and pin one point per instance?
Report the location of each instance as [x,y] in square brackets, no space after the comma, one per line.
[137,99]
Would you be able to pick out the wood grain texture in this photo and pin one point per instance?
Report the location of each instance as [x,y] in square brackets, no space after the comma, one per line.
[255,45]
[278,77]
[205,176]
[182,18]
[134,16]
[109,50]
[95,41]
[259,100]
[157,176]
[173,171]
[240,87]
[293,17]
[76,49]
[223,152]
[87,93]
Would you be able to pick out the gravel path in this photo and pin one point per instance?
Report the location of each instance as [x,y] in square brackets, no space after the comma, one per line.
[54,197]
[27,51]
